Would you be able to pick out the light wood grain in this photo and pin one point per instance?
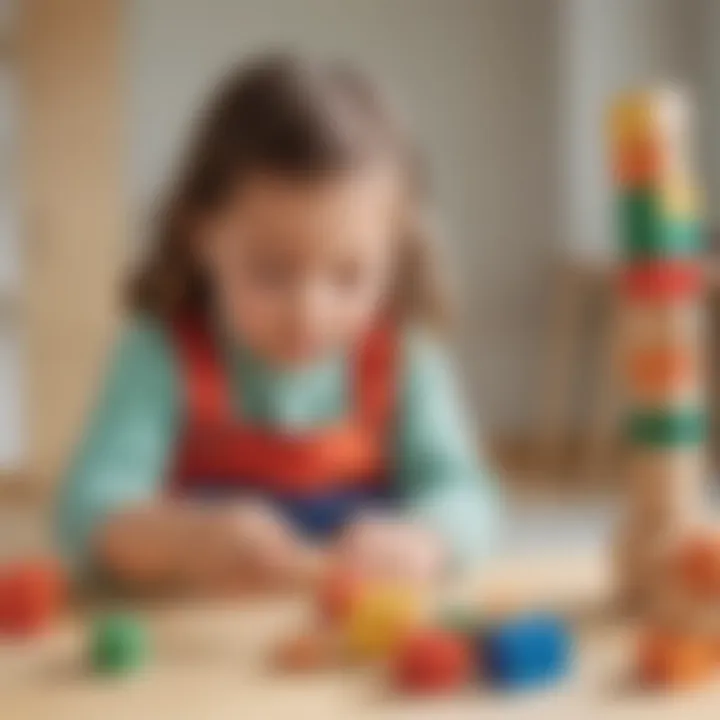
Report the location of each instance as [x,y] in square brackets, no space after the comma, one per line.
[70,60]
[210,662]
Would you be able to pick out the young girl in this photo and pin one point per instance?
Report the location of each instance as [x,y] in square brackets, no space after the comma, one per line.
[278,396]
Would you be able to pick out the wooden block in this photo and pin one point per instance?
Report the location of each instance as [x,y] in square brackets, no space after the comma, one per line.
[432,661]
[654,323]
[697,565]
[647,229]
[673,659]
[663,280]
[659,376]
[664,114]
[381,618]
[671,427]
[665,485]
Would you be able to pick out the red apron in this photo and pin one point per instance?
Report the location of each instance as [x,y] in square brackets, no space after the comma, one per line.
[218,449]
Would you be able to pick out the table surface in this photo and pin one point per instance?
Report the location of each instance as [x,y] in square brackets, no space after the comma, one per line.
[210,660]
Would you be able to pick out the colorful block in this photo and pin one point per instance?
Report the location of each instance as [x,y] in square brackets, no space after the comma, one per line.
[669,659]
[380,619]
[118,645]
[698,566]
[526,651]
[640,163]
[663,374]
[648,229]
[662,281]
[662,114]
[432,661]
[31,596]
[668,428]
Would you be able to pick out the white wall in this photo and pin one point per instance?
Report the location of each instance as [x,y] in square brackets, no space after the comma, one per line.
[609,46]
[478,79]
[12,427]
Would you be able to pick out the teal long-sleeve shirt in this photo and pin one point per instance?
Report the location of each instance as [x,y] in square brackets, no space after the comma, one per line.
[124,456]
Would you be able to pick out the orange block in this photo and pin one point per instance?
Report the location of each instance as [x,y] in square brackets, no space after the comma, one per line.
[669,659]
[640,163]
[698,565]
[659,371]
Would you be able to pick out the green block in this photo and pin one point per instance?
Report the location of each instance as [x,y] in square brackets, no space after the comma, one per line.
[119,644]
[671,428]
[646,230]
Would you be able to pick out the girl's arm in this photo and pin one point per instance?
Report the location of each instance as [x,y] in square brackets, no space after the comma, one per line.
[123,456]
[447,489]
[114,513]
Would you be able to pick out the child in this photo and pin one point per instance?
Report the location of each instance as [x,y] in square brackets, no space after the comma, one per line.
[278,385]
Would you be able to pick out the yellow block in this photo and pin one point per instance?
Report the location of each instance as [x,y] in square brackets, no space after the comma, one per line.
[639,116]
[380,619]
[680,198]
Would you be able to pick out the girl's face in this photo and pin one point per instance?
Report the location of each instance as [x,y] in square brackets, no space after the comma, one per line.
[300,268]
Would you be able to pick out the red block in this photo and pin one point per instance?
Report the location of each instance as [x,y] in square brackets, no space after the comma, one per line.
[664,280]
[432,661]
[31,597]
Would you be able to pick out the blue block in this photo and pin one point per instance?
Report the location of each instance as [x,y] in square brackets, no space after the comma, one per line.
[526,651]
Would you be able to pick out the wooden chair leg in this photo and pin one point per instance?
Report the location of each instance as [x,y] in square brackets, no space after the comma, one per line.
[600,441]
[556,382]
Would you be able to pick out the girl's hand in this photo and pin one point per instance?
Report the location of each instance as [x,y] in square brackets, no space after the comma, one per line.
[263,551]
[391,549]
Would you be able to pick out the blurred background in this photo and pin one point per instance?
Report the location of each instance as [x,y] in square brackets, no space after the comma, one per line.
[506,96]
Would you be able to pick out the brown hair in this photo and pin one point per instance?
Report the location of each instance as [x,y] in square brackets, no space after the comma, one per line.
[286,116]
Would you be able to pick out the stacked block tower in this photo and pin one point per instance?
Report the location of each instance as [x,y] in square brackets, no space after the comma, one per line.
[660,284]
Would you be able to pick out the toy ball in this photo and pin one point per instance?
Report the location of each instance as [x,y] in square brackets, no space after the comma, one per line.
[338,594]
[31,596]
[526,651]
[432,661]
[119,645]
[380,619]
[674,660]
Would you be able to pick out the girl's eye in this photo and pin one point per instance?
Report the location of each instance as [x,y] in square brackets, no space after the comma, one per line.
[270,271]
[348,275]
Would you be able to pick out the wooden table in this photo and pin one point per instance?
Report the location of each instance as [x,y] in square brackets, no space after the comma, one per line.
[210,662]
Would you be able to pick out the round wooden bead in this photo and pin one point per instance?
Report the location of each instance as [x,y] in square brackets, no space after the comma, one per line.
[31,596]
[380,619]
[697,565]
[432,661]
[118,645]
[674,659]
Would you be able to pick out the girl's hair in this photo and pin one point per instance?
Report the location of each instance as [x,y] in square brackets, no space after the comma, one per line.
[284,116]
